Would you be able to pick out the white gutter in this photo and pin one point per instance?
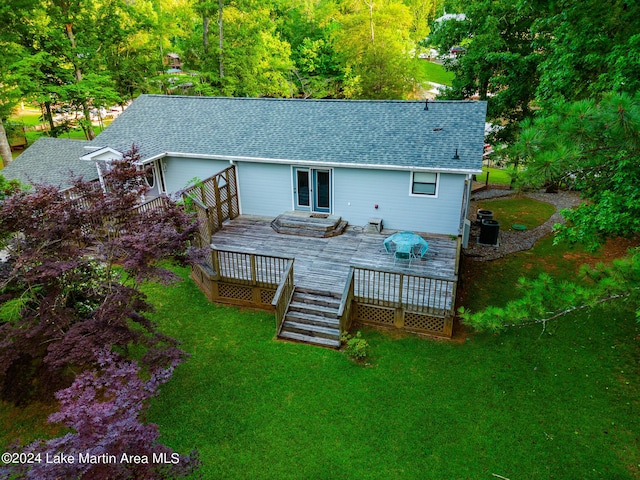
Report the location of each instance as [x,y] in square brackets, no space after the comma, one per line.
[283,161]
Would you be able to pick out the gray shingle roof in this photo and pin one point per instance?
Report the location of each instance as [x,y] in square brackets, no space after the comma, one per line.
[390,133]
[53,161]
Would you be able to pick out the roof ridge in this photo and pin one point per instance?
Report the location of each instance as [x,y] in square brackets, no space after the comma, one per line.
[301,100]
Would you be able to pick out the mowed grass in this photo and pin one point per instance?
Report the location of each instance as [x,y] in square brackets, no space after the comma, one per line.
[434,72]
[31,117]
[521,404]
[519,210]
[498,176]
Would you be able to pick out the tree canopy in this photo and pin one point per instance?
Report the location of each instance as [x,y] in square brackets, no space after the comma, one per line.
[63,299]
[594,147]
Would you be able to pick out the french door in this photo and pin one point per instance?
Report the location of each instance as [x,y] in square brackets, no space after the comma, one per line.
[312,189]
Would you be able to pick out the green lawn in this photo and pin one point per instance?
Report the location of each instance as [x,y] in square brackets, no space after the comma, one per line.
[434,72]
[521,404]
[496,176]
[521,210]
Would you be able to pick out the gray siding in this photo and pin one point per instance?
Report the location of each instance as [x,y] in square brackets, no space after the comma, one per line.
[265,189]
[357,191]
[180,171]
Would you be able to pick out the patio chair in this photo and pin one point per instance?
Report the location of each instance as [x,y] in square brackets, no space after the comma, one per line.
[422,250]
[404,255]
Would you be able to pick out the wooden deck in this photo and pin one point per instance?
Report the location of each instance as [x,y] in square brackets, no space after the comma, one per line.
[323,263]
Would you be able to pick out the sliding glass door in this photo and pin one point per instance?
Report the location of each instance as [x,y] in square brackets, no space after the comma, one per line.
[312,189]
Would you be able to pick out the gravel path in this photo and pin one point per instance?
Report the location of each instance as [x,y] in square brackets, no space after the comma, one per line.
[513,241]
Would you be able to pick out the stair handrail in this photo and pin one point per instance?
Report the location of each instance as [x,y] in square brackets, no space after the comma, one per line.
[344,310]
[284,294]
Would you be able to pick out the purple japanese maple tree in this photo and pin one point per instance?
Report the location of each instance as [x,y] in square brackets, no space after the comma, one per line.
[104,408]
[71,283]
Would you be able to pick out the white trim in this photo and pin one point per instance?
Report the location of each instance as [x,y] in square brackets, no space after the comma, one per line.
[424,195]
[153,176]
[100,151]
[237,168]
[310,163]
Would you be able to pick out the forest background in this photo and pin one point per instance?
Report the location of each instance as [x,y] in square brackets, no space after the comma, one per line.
[88,54]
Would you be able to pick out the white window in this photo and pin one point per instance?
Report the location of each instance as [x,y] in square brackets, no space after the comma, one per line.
[423,183]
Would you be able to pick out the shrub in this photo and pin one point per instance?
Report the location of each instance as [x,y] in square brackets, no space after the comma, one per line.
[355,347]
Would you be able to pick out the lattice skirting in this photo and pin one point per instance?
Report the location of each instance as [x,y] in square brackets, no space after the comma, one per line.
[403,320]
[266,296]
[235,292]
[375,315]
[231,293]
[421,322]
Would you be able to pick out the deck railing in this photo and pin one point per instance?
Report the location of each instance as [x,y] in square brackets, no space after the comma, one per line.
[346,303]
[248,268]
[246,279]
[283,295]
[430,295]
[403,300]
[153,204]
[219,195]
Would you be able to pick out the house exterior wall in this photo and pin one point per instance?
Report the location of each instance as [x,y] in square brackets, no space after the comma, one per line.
[178,172]
[265,189]
[357,191]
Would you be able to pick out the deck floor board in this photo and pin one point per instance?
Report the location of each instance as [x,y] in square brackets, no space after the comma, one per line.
[323,263]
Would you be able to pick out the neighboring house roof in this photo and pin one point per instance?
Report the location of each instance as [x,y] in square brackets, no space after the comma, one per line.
[460,17]
[364,133]
[53,161]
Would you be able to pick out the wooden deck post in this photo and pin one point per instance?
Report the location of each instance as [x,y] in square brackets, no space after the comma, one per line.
[215,263]
[398,317]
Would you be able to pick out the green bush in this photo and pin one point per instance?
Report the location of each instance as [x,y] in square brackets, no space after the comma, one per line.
[355,347]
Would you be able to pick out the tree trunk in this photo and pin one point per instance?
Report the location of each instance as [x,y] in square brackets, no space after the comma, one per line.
[87,126]
[5,148]
[205,33]
[48,116]
[220,38]
[370,5]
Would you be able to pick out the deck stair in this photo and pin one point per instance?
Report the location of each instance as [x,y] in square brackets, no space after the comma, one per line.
[309,224]
[312,318]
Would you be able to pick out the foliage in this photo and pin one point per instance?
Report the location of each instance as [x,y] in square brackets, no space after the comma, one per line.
[546,299]
[61,276]
[593,147]
[589,49]
[355,347]
[375,41]
[104,408]
[9,187]
[500,61]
